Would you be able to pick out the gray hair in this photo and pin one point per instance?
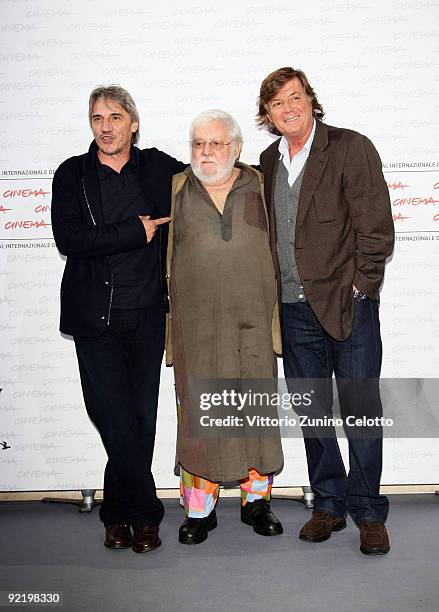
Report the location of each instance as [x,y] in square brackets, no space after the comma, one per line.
[122,97]
[215,114]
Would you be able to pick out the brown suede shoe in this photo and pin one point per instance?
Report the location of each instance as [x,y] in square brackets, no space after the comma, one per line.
[146,539]
[374,539]
[118,536]
[320,526]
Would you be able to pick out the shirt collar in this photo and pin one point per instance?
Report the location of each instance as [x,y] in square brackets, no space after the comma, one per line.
[134,158]
[132,163]
[284,148]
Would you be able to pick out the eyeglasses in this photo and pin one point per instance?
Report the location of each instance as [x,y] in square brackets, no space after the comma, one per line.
[199,145]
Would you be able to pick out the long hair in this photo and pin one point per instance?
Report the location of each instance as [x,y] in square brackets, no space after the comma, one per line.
[271,85]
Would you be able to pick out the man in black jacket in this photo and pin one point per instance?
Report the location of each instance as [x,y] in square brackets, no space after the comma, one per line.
[110,211]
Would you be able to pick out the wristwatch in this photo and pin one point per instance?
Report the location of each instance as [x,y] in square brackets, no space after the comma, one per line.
[358,295]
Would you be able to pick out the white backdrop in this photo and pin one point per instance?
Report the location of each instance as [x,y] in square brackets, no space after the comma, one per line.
[374,67]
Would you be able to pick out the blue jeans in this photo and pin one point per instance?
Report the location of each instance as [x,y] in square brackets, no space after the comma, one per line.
[310,352]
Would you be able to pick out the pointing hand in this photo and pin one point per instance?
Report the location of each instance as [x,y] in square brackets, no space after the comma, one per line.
[151,225]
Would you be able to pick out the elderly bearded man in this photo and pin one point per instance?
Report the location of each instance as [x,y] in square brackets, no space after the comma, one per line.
[223,303]
[331,232]
[109,209]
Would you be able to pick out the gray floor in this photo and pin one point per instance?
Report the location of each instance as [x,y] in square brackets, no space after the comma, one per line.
[47,547]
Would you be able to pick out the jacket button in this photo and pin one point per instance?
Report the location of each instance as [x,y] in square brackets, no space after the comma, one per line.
[106,282]
[102,318]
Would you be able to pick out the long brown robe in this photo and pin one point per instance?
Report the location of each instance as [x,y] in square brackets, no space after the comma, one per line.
[223,300]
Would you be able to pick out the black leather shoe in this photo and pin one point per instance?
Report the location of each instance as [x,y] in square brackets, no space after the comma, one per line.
[118,536]
[146,539]
[258,514]
[195,530]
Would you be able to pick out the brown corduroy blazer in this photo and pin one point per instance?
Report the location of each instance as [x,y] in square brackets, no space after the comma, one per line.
[344,227]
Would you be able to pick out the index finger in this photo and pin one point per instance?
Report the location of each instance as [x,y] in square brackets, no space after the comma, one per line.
[161,220]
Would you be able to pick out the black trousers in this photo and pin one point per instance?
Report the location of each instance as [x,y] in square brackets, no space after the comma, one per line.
[120,373]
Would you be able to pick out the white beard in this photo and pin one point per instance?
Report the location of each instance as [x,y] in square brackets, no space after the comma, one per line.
[221,175]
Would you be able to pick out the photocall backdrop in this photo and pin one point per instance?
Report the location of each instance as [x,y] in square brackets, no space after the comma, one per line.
[374,67]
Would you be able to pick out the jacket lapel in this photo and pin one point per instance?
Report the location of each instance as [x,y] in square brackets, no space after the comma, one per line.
[90,184]
[148,179]
[315,166]
[271,162]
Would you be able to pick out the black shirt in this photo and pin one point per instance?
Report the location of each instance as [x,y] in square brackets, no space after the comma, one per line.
[136,274]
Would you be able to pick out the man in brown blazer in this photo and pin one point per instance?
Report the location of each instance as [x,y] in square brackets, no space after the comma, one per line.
[331,232]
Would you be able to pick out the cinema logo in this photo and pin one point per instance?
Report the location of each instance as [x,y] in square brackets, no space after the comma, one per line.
[416,201]
[397,185]
[48,13]
[66,434]
[26,224]
[409,202]
[40,208]
[67,460]
[38,474]
[65,407]
[36,446]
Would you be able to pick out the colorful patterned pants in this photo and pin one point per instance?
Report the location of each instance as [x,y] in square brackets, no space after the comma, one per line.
[198,496]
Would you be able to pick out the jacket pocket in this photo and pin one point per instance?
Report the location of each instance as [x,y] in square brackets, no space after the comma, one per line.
[328,204]
[254,213]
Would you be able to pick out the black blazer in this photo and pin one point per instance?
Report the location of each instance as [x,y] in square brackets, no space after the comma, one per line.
[80,234]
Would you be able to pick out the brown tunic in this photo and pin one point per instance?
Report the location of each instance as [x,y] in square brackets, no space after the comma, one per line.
[223,296]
